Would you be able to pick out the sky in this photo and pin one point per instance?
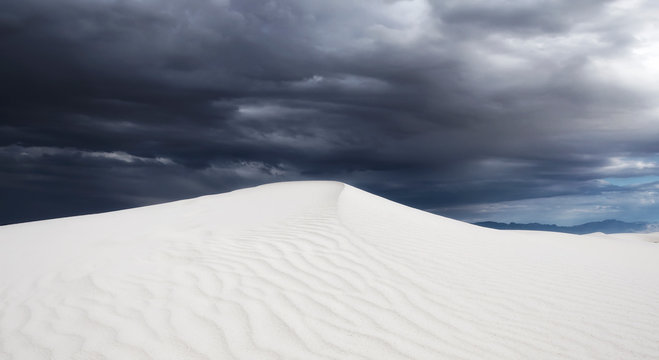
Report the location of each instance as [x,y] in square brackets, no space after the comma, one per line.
[526,111]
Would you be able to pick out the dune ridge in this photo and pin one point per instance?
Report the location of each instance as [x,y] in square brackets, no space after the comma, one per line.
[318,270]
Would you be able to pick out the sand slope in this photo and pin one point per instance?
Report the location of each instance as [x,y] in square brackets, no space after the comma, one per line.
[318,270]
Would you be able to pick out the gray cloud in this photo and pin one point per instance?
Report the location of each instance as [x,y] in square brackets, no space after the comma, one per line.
[439,104]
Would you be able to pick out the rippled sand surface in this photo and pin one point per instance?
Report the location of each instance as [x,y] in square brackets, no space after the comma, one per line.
[319,270]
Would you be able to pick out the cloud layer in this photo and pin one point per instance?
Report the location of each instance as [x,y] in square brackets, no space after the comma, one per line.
[452,106]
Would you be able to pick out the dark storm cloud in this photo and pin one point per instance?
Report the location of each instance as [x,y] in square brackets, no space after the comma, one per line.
[541,16]
[437,104]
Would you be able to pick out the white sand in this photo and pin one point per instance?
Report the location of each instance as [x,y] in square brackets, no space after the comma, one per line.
[319,270]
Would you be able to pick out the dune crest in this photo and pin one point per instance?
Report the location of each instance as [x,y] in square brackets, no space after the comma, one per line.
[318,270]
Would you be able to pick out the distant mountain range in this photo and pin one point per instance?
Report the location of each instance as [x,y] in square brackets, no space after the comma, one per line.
[606,226]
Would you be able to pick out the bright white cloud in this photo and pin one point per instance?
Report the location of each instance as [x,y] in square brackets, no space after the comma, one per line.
[626,166]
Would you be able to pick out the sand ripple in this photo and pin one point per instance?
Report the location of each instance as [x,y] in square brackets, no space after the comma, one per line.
[318,271]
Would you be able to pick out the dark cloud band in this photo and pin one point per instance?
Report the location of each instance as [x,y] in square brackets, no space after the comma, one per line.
[443,105]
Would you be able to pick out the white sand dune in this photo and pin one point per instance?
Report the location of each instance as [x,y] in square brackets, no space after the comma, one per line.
[318,270]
